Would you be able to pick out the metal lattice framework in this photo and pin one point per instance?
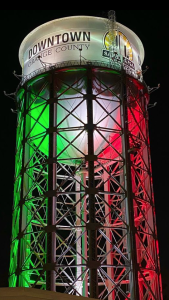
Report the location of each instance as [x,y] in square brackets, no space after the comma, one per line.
[83,213]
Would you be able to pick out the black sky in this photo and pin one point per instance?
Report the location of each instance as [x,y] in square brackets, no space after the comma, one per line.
[152,27]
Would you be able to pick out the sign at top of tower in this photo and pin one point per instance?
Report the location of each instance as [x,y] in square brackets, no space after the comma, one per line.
[80,40]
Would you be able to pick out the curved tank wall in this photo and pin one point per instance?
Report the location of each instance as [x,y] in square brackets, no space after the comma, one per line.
[80,40]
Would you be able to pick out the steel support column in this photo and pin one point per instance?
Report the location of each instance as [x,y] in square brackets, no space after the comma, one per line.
[21,203]
[51,236]
[84,237]
[131,242]
[93,288]
[109,245]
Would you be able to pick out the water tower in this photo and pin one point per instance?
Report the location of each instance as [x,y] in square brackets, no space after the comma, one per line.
[83,213]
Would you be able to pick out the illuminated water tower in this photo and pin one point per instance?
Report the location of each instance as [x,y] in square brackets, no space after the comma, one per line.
[83,213]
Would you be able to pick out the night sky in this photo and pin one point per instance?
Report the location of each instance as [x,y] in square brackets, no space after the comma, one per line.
[152,27]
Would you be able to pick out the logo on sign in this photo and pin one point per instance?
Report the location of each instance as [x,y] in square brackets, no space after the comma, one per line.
[118,49]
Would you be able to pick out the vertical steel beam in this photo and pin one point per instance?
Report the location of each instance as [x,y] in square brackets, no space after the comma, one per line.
[93,285]
[78,284]
[109,245]
[152,218]
[20,251]
[131,243]
[84,236]
[51,217]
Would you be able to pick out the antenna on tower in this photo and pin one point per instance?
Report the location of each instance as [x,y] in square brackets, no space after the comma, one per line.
[112,26]
[113,36]
[112,15]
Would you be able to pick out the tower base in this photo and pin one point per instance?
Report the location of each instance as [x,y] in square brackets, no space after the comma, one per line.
[34,294]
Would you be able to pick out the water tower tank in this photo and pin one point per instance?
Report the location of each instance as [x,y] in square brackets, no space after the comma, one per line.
[83,220]
[79,40]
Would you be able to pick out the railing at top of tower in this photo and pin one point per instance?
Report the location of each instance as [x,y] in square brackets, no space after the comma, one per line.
[117,66]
